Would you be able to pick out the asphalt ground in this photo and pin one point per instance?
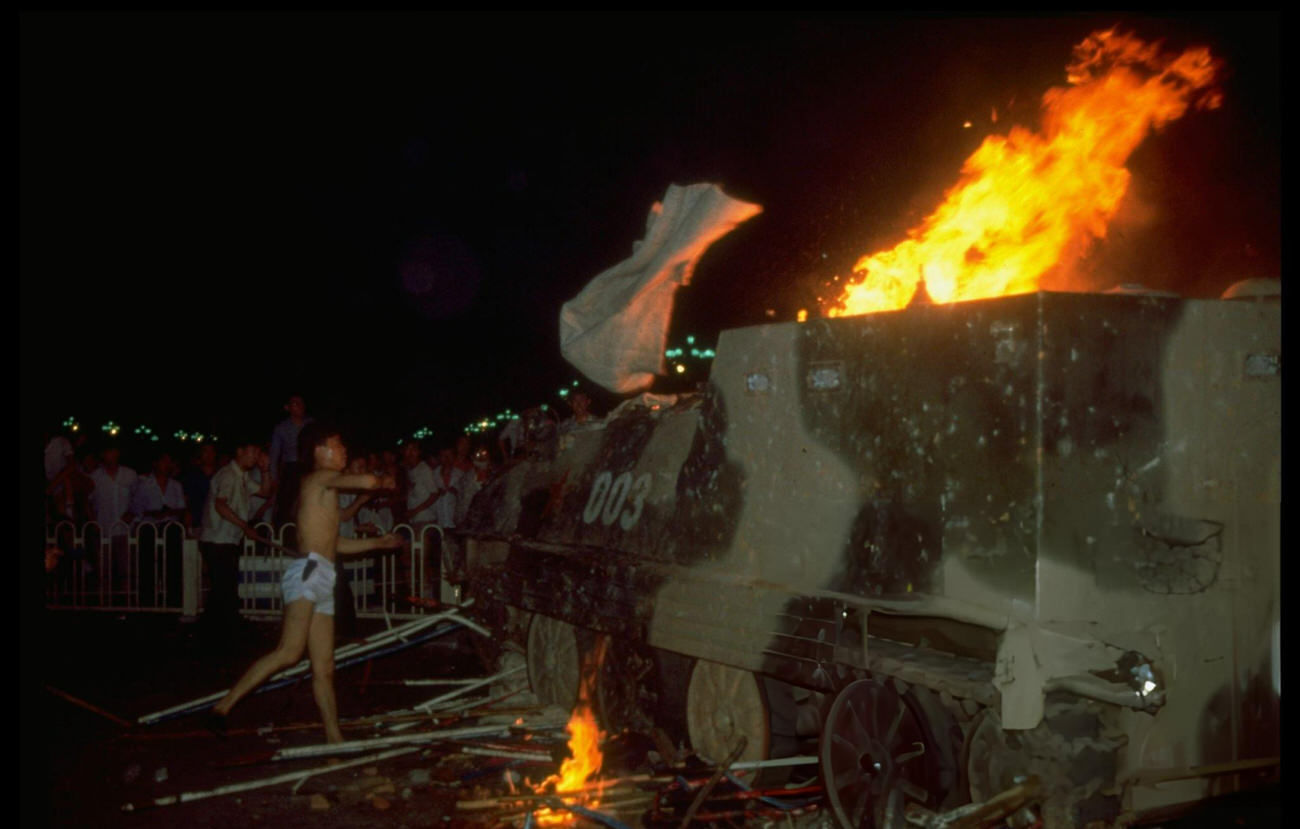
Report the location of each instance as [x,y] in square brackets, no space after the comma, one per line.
[79,768]
[131,665]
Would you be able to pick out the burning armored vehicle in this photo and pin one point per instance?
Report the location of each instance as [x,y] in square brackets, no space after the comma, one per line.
[1021,542]
[956,546]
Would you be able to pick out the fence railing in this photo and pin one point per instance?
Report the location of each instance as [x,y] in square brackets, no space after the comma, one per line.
[150,567]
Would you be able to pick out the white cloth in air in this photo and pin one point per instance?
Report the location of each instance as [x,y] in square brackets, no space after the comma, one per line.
[616,329]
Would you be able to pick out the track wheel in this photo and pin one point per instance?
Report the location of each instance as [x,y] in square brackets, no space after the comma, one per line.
[872,752]
[554,662]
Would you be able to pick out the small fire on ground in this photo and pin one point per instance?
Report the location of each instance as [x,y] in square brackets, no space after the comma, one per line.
[1029,204]
[584,745]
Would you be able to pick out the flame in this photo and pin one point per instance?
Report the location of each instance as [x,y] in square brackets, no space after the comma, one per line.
[1029,202]
[584,746]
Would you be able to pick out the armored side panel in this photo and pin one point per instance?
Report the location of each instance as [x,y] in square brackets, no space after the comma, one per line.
[1094,480]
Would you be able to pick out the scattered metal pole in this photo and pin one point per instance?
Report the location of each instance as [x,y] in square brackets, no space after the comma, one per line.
[429,705]
[420,683]
[801,760]
[540,757]
[232,788]
[433,703]
[326,749]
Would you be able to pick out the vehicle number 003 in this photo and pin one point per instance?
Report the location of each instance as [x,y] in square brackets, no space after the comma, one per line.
[616,499]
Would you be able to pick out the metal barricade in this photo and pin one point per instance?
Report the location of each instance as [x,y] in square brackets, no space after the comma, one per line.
[158,568]
[136,567]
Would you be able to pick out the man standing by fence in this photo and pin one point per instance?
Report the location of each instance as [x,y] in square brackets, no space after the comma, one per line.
[110,502]
[285,466]
[224,525]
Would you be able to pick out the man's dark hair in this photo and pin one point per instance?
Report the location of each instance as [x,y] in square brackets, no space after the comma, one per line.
[311,436]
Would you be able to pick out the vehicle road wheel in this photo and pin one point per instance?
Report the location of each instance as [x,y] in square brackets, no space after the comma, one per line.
[554,662]
[722,705]
[872,752]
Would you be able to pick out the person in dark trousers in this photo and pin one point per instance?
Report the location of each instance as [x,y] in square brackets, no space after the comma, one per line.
[224,526]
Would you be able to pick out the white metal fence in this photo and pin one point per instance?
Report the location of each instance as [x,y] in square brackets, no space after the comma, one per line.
[152,567]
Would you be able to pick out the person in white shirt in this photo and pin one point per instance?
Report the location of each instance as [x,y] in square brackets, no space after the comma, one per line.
[351,503]
[420,489]
[511,439]
[225,526]
[376,517]
[473,481]
[448,481]
[110,504]
[58,454]
[581,405]
[158,497]
[60,472]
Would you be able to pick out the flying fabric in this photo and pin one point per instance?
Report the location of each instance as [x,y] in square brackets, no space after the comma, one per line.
[616,330]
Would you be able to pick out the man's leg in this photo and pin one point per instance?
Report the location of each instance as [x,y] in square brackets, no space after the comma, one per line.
[293,638]
[320,646]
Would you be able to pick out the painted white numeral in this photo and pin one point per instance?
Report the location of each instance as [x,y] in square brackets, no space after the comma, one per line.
[617,494]
[633,513]
[596,501]
[609,496]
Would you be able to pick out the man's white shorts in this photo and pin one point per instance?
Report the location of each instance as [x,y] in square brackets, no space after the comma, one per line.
[310,578]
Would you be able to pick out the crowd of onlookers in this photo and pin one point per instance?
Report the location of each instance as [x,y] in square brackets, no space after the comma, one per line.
[222,495]
[435,484]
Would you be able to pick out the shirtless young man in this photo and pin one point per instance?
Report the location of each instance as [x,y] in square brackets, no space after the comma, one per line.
[308,583]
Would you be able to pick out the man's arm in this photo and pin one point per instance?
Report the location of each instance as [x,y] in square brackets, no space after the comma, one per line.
[348,546]
[364,481]
[224,510]
[353,508]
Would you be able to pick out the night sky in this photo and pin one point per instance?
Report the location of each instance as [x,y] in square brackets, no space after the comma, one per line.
[386,212]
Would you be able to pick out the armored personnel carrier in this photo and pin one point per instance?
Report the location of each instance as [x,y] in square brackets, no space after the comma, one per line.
[951,549]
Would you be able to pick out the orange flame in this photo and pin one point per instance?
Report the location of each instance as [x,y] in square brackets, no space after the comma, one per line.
[1029,202]
[584,746]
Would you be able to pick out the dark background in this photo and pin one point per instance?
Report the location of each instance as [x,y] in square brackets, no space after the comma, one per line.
[385,212]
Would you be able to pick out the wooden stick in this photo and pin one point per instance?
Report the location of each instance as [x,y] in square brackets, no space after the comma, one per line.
[83,704]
